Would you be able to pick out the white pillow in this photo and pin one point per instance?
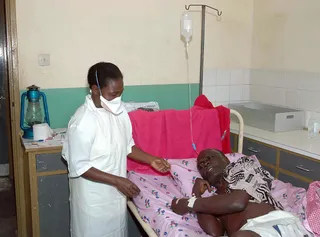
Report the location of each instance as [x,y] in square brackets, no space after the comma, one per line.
[131,106]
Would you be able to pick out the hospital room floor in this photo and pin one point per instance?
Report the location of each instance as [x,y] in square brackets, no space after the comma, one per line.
[8,219]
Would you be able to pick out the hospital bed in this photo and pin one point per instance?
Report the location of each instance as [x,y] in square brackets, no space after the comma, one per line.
[144,223]
[151,208]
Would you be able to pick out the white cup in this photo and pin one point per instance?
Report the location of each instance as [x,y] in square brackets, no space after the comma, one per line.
[41,131]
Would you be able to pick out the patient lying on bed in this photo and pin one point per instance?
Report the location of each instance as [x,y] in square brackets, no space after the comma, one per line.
[243,206]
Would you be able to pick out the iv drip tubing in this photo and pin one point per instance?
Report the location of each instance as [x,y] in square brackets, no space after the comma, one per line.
[190,99]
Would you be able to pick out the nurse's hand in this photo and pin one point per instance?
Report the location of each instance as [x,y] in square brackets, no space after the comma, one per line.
[126,187]
[160,165]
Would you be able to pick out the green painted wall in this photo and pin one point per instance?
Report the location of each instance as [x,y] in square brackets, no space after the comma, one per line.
[63,102]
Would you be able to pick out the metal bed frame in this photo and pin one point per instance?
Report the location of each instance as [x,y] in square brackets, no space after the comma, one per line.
[146,227]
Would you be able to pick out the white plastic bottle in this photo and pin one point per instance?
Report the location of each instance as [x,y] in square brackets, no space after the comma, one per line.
[314,125]
[186,26]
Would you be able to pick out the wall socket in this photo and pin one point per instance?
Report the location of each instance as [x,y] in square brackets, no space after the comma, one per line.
[44,60]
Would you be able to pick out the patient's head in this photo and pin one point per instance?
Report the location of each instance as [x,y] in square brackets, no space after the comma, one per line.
[211,164]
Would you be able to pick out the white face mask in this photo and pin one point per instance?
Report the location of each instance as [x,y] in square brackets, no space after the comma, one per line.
[114,106]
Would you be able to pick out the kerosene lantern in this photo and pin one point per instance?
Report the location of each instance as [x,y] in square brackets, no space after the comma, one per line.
[33,113]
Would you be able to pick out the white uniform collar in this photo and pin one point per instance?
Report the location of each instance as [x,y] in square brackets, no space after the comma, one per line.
[89,103]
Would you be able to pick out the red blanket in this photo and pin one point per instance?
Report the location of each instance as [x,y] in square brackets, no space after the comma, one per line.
[167,134]
[224,118]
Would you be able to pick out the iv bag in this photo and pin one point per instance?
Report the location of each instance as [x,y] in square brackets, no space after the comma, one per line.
[186,26]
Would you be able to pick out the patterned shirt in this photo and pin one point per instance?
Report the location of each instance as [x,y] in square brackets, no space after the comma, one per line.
[247,174]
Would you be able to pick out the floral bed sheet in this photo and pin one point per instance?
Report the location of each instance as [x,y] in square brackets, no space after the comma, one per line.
[153,204]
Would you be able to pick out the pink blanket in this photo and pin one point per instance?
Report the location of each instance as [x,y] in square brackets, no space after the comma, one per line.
[167,134]
[313,208]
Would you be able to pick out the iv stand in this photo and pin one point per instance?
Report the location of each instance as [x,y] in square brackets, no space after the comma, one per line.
[203,24]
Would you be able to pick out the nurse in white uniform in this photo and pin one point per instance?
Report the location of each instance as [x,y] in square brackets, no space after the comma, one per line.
[98,141]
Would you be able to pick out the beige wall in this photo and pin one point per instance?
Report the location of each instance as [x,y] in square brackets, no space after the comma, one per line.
[142,37]
[286,53]
[286,35]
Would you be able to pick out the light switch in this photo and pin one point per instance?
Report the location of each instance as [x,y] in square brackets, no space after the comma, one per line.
[44,60]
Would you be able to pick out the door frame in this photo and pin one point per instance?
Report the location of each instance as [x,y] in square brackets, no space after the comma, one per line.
[14,95]
[7,97]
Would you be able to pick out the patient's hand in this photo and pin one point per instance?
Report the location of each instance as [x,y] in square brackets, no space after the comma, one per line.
[200,186]
[180,206]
